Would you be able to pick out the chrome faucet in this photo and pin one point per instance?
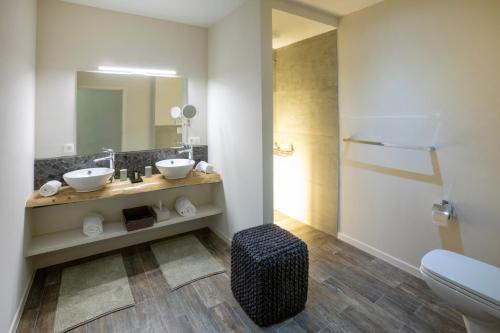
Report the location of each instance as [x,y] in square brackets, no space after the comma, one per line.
[188,149]
[110,157]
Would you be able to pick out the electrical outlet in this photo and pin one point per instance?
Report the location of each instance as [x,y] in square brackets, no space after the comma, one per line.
[69,149]
[194,140]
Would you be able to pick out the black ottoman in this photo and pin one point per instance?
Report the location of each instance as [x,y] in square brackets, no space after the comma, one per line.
[269,270]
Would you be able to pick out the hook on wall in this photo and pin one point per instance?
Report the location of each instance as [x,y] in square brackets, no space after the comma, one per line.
[281,149]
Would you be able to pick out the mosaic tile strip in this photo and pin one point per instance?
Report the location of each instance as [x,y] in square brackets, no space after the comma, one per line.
[54,168]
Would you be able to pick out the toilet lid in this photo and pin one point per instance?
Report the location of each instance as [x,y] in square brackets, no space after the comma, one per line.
[466,273]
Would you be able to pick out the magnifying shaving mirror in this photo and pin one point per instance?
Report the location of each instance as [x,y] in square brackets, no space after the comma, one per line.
[188,111]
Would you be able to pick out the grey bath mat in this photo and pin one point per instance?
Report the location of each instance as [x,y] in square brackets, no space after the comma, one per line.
[183,260]
[92,290]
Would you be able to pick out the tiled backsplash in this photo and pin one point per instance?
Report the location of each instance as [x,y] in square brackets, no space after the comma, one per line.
[54,168]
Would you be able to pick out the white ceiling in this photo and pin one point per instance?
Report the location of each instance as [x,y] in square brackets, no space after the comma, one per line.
[201,13]
[289,29]
[205,13]
[338,7]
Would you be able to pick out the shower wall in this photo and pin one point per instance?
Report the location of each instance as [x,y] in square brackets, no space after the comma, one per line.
[306,115]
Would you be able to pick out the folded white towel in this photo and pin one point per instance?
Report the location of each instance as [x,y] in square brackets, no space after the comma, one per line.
[204,167]
[50,188]
[92,224]
[184,207]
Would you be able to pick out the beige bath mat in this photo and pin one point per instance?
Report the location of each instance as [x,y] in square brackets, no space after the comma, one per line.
[92,290]
[184,260]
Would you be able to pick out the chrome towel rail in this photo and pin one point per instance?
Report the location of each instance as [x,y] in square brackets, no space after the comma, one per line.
[392,145]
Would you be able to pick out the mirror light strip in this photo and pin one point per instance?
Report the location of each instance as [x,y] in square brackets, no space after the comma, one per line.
[140,71]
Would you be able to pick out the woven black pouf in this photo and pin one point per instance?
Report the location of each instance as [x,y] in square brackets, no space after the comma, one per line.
[269,269]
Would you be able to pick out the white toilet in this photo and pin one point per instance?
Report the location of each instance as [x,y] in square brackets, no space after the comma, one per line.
[472,287]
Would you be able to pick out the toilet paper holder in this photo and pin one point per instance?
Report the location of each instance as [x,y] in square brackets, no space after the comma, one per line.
[445,209]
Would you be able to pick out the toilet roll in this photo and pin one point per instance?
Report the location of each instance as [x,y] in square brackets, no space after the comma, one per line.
[442,213]
[440,219]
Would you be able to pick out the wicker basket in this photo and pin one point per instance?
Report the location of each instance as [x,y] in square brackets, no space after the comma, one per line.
[269,271]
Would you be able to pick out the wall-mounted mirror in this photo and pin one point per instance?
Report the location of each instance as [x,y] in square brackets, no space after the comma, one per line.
[127,112]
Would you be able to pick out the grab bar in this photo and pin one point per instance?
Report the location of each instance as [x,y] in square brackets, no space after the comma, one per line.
[392,145]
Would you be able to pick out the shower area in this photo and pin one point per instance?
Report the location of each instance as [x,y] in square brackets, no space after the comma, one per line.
[305,122]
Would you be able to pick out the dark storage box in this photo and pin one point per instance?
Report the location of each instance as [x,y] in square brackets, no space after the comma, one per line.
[138,218]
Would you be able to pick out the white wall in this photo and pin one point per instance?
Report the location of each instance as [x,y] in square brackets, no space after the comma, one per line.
[240,114]
[17,105]
[73,37]
[421,72]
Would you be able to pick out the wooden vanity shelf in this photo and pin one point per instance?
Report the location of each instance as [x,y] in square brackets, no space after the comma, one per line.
[56,240]
[118,189]
[69,238]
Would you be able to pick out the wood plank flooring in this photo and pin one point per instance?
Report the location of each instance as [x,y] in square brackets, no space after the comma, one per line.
[349,291]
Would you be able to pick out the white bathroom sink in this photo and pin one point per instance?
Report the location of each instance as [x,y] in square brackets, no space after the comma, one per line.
[88,180]
[175,168]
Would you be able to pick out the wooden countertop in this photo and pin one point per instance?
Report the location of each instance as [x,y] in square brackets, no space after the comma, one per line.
[118,189]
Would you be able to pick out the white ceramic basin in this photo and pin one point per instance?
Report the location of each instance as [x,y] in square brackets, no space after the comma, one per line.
[88,180]
[175,168]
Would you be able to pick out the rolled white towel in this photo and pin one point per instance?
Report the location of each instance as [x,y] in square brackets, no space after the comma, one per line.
[92,224]
[184,207]
[204,167]
[50,188]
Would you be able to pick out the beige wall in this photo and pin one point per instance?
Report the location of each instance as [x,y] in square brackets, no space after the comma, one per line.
[421,72]
[306,115]
[17,105]
[73,38]
[240,114]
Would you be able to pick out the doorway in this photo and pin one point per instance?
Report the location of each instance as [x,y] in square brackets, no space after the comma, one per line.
[99,120]
[305,122]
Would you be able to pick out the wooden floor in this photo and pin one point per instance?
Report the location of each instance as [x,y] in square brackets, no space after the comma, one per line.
[349,291]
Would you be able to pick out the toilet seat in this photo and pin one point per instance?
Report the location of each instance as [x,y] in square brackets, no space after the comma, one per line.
[465,275]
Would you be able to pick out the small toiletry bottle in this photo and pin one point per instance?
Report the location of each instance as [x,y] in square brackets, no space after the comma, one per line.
[148,171]
[123,175]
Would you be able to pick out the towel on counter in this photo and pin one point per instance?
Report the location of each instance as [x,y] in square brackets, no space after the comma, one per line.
[50,188]
[184,207]
[92,224]
[204,167]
